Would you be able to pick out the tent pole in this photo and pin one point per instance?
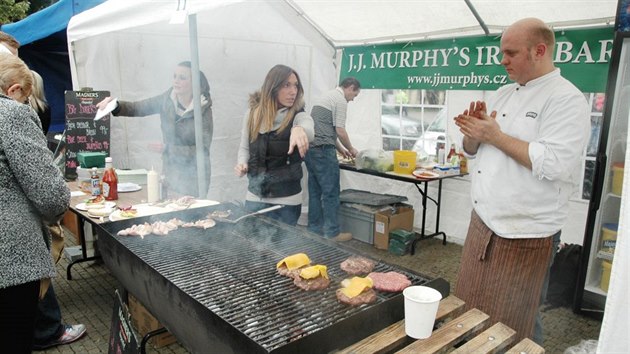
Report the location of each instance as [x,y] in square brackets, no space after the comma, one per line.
[194,64]
[479,19]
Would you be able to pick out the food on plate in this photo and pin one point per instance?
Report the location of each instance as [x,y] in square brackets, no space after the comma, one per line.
[312,278]
[289,266]
[425,174]
[390,281]
[356,291]
[96,202]
[97,212]
[128,213]
[356,265]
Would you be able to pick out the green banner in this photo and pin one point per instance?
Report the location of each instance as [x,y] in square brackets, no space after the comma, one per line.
[473,63]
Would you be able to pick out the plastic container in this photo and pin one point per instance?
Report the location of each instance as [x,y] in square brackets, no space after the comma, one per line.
[110,181]
[404,161]
[358,222]
[617,178]
[609,237]
[606,268]
[153,186]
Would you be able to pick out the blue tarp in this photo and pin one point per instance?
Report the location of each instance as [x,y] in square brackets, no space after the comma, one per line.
[44,48]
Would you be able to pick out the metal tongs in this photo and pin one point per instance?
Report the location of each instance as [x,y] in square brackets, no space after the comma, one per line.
[261,211]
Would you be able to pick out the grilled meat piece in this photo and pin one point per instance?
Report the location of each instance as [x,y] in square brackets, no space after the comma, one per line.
[390,281]
[356,265]
[318,283]
[368,296]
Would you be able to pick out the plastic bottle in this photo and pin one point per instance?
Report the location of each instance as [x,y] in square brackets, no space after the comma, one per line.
[441,156]
[95,183]
[153,186]
[463,163]
[110,181]
[451,153]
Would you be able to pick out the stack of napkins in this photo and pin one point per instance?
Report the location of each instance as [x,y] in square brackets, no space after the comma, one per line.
[137,176]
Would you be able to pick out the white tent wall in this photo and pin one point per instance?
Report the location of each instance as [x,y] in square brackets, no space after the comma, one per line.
[136,62]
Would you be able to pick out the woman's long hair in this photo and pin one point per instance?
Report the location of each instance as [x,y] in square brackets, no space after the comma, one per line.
[264,103]
[38,98]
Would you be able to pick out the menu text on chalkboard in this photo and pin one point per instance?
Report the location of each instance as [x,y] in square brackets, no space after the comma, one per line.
[83,134]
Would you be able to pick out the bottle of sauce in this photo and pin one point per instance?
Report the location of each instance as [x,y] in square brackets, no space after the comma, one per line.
[463,162]
[110,181]
[153,186]
[451,153]
[95,183]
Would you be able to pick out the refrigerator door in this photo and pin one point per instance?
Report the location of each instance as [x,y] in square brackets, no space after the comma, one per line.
[601,227]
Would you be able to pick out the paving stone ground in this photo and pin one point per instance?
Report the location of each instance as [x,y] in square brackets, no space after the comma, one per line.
[89,298]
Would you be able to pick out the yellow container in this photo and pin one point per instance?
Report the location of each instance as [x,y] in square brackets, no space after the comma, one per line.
[617,179]
[609,237]
[404,161]
[606,267]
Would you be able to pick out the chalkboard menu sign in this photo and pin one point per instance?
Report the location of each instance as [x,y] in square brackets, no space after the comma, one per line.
[122,337]
[83,134]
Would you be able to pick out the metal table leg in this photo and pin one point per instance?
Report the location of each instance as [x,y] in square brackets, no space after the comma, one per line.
[83,250]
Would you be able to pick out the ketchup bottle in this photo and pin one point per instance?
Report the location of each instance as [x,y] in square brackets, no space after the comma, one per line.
[110,181]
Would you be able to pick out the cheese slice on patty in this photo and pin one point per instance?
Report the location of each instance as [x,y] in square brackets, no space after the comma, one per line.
[294,261]
[356,286]
[314,272]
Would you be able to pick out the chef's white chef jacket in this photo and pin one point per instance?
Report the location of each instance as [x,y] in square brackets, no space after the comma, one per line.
[553,116]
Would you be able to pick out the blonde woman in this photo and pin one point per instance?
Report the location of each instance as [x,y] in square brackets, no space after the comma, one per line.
[32,193]
[275,137]
[38,101]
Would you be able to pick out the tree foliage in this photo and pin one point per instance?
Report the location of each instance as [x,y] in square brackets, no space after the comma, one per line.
[13,11]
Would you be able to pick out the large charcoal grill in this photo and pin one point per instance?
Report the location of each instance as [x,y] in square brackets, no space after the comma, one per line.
[217,290]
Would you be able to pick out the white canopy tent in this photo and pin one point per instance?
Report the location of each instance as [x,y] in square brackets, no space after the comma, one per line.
[129,48]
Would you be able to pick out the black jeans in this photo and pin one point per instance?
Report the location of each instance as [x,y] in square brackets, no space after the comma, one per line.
[18,306]
[48,325]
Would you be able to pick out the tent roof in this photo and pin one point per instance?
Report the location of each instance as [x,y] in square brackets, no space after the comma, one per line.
[50,20]
[354,22]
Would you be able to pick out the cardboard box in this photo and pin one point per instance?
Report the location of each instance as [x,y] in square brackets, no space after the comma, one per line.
[71,222]
[387,220]
[144,322]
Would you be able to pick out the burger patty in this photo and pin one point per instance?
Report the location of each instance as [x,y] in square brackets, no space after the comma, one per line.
[318,283]
[284,271]
[366,297]
[356,265]
[390,281]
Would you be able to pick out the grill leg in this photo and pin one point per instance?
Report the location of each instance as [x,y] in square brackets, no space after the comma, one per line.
[148,336]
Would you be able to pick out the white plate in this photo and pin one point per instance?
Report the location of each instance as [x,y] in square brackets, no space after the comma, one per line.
[128,187]
[143,210]
[105,211]
[197,204]
[425,174]
[83,206]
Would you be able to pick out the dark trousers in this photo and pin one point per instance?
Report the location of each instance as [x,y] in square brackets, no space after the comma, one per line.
[48,325]
[18,307]
[288,214]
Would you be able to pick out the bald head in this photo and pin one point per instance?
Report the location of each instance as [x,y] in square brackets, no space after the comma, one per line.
[534,31]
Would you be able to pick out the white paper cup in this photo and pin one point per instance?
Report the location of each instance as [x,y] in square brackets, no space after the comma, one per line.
[421,305]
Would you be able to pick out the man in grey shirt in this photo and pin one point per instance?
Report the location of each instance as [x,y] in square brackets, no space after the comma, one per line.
[329,115]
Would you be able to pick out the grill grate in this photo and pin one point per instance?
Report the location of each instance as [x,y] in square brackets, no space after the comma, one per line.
[230,270]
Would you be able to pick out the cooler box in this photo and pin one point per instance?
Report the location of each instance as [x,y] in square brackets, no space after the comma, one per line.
[400,241]
[358,222]
[91,159]
[369,198]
